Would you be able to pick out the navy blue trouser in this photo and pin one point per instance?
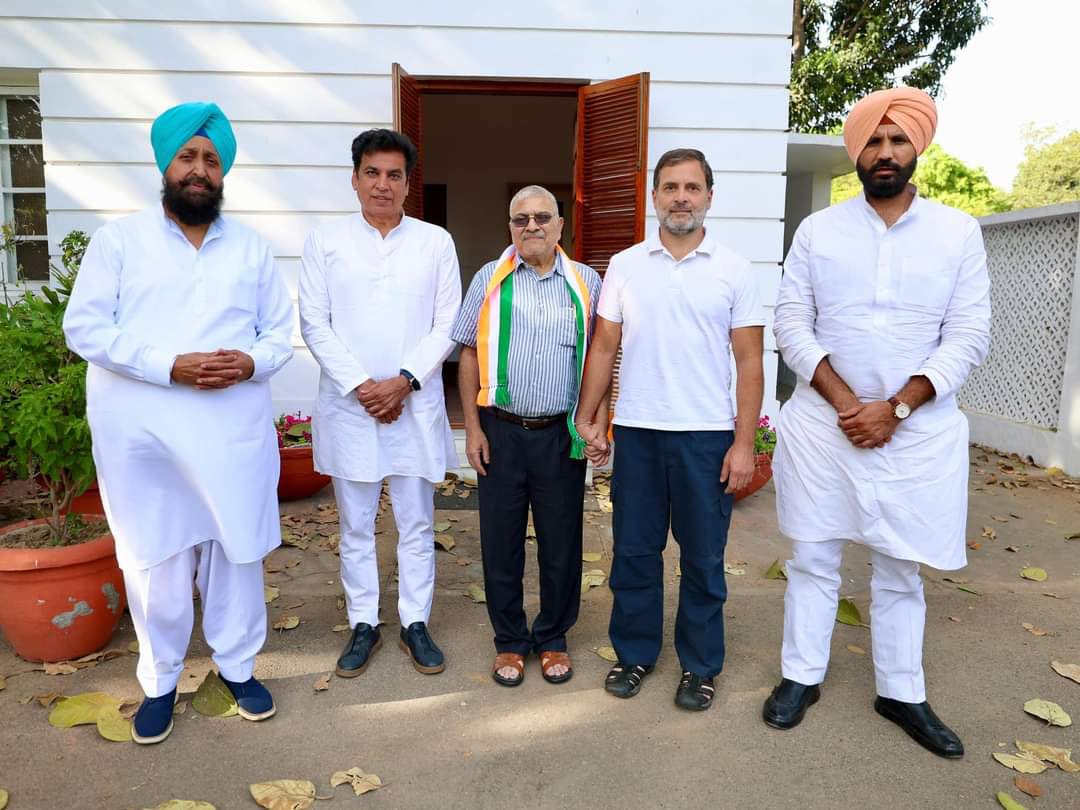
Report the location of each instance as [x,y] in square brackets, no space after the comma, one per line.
[531,468]
[669,477]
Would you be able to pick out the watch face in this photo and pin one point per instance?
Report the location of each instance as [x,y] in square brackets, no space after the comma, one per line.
[902,410]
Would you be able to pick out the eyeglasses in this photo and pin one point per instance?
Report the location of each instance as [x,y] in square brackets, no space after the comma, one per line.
[522,220]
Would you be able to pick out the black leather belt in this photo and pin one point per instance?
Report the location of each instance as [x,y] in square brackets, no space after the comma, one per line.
[529,422]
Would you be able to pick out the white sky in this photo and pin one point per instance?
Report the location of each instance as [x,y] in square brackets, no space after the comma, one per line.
[1023,66]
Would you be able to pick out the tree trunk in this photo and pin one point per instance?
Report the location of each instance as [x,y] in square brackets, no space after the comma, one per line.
[798,32]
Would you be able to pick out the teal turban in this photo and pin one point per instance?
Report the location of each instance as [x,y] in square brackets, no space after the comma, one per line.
[178,125]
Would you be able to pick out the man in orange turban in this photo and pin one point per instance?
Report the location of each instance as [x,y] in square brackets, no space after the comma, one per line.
[883,312]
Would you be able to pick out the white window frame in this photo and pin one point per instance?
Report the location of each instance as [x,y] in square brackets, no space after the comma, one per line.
[8,266]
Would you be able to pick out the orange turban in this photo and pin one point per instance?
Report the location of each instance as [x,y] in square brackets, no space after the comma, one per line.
[910,109]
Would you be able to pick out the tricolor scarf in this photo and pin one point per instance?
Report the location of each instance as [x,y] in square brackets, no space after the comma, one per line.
[495,327]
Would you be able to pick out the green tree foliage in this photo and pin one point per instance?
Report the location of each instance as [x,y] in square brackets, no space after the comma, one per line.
[1050,173]
[844,49]
[945,178]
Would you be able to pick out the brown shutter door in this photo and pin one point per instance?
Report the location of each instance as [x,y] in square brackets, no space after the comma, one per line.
[407,122]
[610,163]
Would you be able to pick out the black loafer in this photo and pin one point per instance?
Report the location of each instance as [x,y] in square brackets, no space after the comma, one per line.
[363,643]
[422,649]
[624,680]
[695,693]
[922,725]
[788,703]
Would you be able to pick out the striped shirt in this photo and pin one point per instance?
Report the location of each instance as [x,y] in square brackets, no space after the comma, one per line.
[542,366]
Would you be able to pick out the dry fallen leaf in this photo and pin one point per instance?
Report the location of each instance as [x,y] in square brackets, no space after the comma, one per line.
[1033,573]
[733,570]
[1048,711]
[988,531]
[61,668]
[184,804]
[442,526]
[855,648]
[294,605]
[340,628]
[361,782]
[956,619]
[848,613]
[1048,753]
[592,578]
[270,593]
[956,580]
[213,697]
[974,546]
[1035,631]
[1071,671]
[322,683]
[3,798]
[1013,549]
[3,683]
[340,603]
[607,653]
[775,571]
[133,648]
[1007,802]
[1024,763]
[966,589]
[180,708]
[81,709]
[590,556]
[476,593]
[286,622]
[445,541]
[1027,786]
[284,794]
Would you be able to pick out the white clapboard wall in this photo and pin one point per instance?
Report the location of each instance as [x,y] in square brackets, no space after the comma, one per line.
[299,80]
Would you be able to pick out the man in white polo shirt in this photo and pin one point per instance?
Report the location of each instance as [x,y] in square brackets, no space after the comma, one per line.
[680,304]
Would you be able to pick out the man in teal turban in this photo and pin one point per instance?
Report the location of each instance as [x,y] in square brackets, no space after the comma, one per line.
[183,318]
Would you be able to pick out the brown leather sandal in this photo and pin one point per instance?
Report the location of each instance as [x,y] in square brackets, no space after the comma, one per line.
[551,658]
[508,660]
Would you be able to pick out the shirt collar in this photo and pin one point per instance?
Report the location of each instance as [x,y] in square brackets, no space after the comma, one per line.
[912,211]
[654,245]
[559,269]
[367,226]
[216,229]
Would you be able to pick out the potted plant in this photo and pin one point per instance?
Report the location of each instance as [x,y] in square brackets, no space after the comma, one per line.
[61,591]
[764,444]
[298,478]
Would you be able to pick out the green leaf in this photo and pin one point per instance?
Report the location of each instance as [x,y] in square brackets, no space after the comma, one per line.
[1048,711]
[590,556]
[112,725]
[3,798]
[1008,802]
[1034,574]
[442,526]
[81,710]
[848,613]
[776,571]
[607,653]
[476,593]
[213,697]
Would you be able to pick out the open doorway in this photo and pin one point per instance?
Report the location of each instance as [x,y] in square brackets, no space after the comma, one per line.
[478,150]
[481,139]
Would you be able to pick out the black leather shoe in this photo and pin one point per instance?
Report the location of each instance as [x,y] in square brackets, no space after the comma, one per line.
[624,680]
[363,643]
[695,693]
[788,703]
[922,725]
[422,649]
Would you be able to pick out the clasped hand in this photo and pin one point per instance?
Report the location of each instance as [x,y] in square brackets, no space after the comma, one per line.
[212,370]
[384,400]
[868,425]
[597,447]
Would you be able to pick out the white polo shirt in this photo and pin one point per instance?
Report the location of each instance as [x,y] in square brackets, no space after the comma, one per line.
[677,318]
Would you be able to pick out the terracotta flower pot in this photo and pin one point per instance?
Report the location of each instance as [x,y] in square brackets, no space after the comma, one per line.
[298,478]
[60,603]
[762,474]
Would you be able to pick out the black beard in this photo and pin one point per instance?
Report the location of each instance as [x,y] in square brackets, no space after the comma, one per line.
[886,187]
[196,209]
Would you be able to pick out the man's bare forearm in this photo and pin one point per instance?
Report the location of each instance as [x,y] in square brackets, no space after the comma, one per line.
[916,391]
[832,387]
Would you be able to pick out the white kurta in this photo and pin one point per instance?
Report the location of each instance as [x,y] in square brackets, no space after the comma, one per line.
[180,466]
[369,307]
[884,305]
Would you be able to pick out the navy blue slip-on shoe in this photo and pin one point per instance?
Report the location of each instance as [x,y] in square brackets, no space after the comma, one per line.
[253,700]
[363,643]
[153,721]
[422,649]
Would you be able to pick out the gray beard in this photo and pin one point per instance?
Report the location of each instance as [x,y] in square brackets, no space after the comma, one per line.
[682,228]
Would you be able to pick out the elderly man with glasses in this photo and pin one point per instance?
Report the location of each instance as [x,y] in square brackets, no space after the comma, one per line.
[524,329]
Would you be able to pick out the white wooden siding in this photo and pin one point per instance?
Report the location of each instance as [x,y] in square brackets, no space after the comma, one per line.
[299,80]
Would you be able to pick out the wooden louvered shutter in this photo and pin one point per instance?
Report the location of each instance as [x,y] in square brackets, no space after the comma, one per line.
[407,122]
[610,163]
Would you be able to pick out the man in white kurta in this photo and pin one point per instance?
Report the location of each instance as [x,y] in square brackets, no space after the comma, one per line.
[883,312]
[379,292]
[183,317]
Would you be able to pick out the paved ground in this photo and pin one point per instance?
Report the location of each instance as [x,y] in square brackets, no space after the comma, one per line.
[459,740]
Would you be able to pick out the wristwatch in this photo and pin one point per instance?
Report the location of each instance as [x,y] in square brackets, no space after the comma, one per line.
[414,383]
[901,410]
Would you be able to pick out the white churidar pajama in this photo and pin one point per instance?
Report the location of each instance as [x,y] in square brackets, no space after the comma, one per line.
[369,307]
[160,602]
[181,468]
[884,305]
[414,513]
